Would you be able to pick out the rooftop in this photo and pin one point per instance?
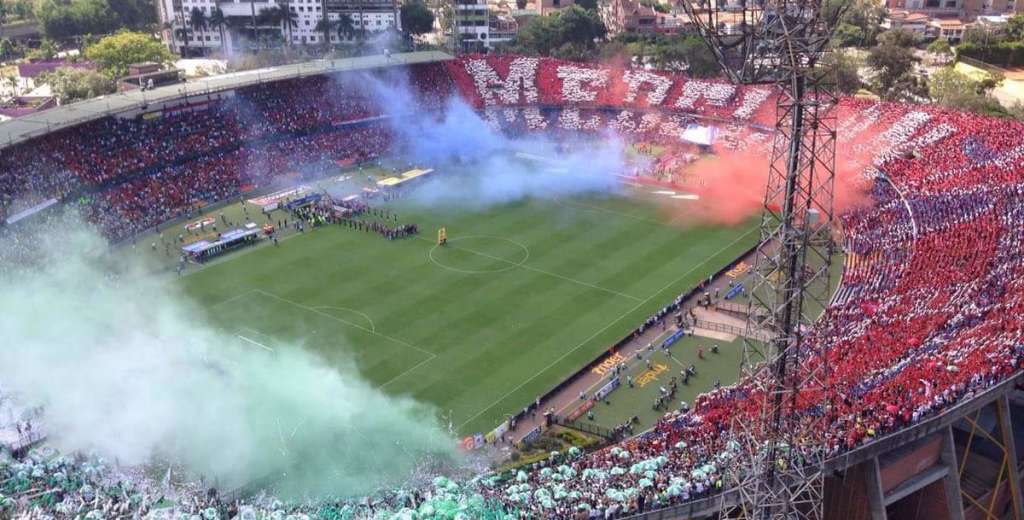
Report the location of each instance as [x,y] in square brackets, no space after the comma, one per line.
[35,68]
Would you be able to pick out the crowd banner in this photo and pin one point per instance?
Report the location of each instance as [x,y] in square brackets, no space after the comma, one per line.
[735,290]
[273,201]
[531,436]
[578,412]
[24,214]
[200,224]
[497,432]
[607,388]
[673,338]
[302,201]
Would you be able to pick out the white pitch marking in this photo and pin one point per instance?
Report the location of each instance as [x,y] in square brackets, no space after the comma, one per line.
[254,342]
[373,327]
[346,322]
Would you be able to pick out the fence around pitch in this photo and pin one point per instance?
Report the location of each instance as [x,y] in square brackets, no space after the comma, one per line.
[730,329]
[592,429]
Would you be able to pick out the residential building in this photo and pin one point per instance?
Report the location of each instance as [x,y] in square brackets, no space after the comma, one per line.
[621,16]
[179,34]
[910,21]
[952,29]
[20,106]
[244,26]
[926,7]
[501,28]
[472,24]
[672,23]
[29,71]
[947,18]
[546,7]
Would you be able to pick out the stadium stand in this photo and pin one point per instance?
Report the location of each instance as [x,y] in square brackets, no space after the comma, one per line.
[928,315]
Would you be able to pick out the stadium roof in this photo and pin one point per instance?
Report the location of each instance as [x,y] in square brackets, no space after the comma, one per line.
[19,129]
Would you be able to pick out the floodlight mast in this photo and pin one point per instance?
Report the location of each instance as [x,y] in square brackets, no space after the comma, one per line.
[777,447]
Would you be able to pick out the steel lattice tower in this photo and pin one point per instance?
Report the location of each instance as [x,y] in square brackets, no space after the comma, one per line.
[777,462]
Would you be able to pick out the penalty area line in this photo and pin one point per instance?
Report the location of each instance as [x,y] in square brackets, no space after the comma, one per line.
[414,367]
[346,322]
[254,342]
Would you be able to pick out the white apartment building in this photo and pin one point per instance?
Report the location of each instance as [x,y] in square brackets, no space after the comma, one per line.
[478,26]
[372,16]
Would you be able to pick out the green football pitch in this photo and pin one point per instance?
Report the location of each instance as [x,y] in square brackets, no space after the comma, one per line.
[522,296]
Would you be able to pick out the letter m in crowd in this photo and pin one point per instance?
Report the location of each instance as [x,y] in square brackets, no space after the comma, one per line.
[518,86]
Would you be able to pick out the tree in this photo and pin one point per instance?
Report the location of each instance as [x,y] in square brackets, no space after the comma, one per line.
[116,52]
[3,15]
[1015,27]
[551,35]
[539,36]
[416,17]
[590,5]
[954,89]
[71,84]
[688,53]
[894,65]
[656,5]
[64,19]
[899,38]
[979,35]
[581,26]
[217,21]
[696,54]
[269,16]
[346,27]
[290,19]
[132,14]
[865,15]
[1016,111]
[22,9]
[848,35]
[197,20]
[255,29]
[324,26]
[845,66]
[939,46]
[46,50]
[7,49]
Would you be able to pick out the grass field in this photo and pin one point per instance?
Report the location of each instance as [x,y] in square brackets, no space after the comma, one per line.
[521,297]
[637,401]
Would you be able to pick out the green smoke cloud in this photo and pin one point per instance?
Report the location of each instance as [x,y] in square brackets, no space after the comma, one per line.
[126,367]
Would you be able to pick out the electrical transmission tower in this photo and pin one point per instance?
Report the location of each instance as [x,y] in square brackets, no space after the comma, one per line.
[778,463]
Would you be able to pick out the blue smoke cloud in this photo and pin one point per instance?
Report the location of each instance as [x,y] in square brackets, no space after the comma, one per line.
[481,166]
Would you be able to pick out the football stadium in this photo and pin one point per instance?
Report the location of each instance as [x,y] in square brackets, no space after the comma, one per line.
[490,286]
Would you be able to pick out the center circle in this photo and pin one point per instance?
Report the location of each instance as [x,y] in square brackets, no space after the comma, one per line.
[479,254]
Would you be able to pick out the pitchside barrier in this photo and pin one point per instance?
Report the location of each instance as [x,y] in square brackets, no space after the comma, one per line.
[613,350]
[26,442]
[593,429]
[730,329]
